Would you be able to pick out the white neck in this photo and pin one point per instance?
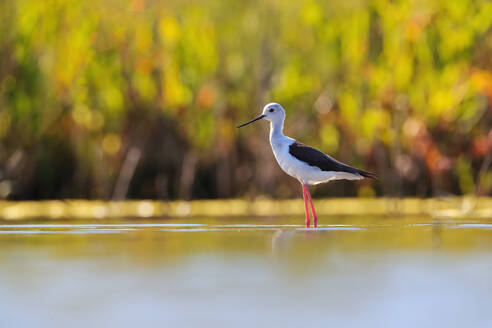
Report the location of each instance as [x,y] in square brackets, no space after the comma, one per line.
[276,129]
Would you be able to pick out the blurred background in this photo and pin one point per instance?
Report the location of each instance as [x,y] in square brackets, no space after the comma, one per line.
[117,99]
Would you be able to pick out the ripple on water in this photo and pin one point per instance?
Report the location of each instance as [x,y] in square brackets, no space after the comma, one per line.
[333,228]
[30,229]
[137,225]
[473,226]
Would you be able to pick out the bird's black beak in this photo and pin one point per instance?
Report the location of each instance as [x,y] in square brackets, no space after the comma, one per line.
[253,120]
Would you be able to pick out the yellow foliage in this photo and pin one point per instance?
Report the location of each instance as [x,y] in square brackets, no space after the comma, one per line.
[311,13]
[329,138]
[169,30]
[176,93]
[111,143]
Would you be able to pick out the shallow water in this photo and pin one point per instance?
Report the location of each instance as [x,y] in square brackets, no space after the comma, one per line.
[243,272]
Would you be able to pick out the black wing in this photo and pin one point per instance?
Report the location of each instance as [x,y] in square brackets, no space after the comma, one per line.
[314,157]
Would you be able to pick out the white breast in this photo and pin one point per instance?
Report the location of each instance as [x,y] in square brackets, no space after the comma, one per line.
[299,169]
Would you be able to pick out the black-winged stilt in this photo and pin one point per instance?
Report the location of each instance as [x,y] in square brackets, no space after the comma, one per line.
[307,164]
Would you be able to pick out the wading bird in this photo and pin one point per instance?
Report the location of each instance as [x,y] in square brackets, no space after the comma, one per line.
[306,164]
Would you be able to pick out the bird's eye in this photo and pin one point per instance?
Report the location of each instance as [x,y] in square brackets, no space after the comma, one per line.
[271,110]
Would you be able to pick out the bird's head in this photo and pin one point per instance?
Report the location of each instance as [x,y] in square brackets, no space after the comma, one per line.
[272,112]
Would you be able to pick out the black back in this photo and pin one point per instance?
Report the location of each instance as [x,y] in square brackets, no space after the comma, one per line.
[314,157]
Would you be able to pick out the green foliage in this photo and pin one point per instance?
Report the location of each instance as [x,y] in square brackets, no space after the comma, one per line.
[369,81]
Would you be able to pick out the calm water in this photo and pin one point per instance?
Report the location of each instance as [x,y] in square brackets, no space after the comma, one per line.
[246,272]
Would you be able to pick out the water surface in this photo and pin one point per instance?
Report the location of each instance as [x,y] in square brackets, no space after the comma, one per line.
[246,272]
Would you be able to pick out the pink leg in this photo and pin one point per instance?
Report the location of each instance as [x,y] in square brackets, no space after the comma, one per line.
[315,217]
[304,194]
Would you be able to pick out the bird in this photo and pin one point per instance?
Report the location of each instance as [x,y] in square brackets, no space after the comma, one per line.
[306,164]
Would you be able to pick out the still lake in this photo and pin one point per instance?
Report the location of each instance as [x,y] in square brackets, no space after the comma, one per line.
[353,271]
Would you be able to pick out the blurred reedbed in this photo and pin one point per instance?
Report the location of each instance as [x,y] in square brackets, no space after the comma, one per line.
[139,99]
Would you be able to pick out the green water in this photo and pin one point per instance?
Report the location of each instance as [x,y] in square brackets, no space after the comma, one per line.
[246,272]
